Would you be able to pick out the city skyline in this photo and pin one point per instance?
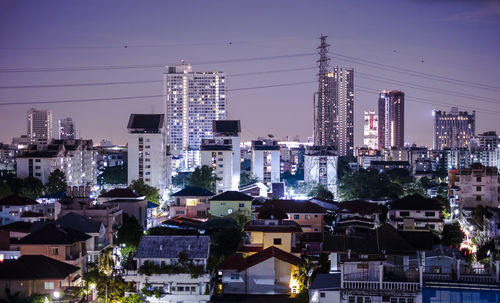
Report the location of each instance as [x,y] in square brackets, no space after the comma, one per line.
[453,40]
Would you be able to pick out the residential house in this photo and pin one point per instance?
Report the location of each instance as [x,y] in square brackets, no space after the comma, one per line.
[356,216]
[272,228]
[64,244]
[257,189]
[231,203]
[416,212]
[325,288]
[269,271]
[308,215]
[174,265]
[131,203]
[13,206]
[191,202]
[37,274]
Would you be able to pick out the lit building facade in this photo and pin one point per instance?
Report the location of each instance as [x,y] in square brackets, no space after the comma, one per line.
[147,152]
[266,161]
[454,129]
[391,119]
[320,167]
[343,108]
[192,101]
[370,132]
[66,128]
[39,124]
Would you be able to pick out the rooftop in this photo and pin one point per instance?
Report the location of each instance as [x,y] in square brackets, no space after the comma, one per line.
[238,262]
[226,127]
[169,247]
[283,227]
[232,196]
[415,202]
[54,234]
[16,200]
[293,206]
[326,281]
[18,226]
[148,123]
[358,207]
[35,267]
[193,191]
[120,193]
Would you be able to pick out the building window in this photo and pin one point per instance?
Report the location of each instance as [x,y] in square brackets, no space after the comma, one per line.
[478,188]
[307,217]
[352,299]
[478,179]
[235,276]
[37,160]
[38,174]
[193,288]
[229,210]
[359,299]
[296,217]
[404,213]
[368,299]
[241,205]
[478,198]
[49,285]
[430,214]
[321,294]
[277,241]
[54,251]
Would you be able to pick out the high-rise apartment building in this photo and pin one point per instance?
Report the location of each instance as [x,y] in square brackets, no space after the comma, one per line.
[391,119]
[343,110]
[192,101]
[39,128]
[334,105]
[147,152]
[454,129]
[370,131]
[66,129]
[266,161]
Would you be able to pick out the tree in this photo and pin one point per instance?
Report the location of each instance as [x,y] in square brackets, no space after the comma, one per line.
[129,234]
[111,287]
[57,182]
[301,276]
[247,178]
[31,187]
[400,176]
[452,235]
[368,184]
[152,193]
[321,192]
[181,179]
[113,175]
[204,177]
[4,190]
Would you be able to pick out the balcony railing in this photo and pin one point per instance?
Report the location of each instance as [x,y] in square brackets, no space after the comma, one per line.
[377,285]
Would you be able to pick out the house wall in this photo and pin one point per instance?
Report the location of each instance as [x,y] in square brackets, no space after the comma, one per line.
[260,278]
[324,296]
[468,190]
[224,208]
[137,209]
[308,222]
[286,241]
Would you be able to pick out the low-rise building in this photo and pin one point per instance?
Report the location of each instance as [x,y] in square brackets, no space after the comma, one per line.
[176,266]
[416,212]
[37,274]
[131,203]
[269,271]
[231,203]
[14,206]
[191,202]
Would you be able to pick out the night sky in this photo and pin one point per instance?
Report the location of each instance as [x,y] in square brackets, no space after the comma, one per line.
[453,40]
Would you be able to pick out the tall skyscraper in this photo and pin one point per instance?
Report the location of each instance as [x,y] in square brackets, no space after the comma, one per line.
[453,129]
[391,120]
[66,128]
[192,101]
[343,110]
[370,139]
[39,126]
[334,105]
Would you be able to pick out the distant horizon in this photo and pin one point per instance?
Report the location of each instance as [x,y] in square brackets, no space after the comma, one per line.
[440,53]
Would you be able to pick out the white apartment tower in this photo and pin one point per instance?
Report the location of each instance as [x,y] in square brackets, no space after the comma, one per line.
[192,101]
[223,154]
[39,126]
[370,139]
[266,161]
[343,107]
[147,152]
[320,167]
[66,129]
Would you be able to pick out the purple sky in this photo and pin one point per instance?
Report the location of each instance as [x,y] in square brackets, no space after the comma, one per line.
[457,39]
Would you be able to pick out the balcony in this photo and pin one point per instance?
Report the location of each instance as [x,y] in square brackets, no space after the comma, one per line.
[383,277]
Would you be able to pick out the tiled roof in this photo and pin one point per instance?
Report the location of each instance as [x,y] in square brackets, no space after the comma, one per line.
[193,191]
[18,226]
[53,234]
[283,227]
[358,207]
[16,200]
[120,193]
[236,261]
[80,223]
[232,196]
[35,267]
[341,243]
[272,213]
[31,214]
[39,154]
[415,202]
[293,206]
[168,247]
[151,122]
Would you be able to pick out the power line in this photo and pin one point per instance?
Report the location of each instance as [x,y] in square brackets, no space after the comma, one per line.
[119,67]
